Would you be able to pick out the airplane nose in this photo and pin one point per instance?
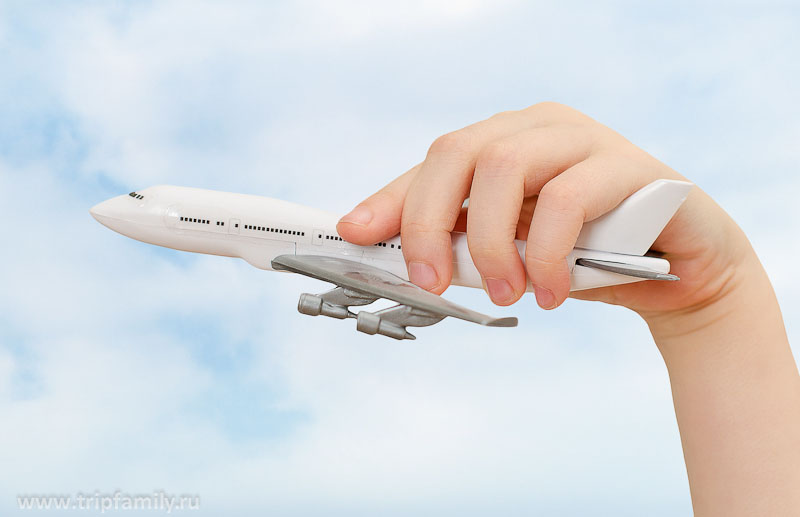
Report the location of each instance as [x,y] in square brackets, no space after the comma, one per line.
[97,210]
[112,211]
[105,210]
[134,215]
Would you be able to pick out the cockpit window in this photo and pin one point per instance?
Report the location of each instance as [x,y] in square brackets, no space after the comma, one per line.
[136,196]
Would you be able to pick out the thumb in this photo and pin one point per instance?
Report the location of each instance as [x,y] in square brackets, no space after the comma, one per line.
[377,217]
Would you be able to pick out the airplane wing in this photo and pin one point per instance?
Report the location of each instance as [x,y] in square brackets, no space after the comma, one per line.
[359,284]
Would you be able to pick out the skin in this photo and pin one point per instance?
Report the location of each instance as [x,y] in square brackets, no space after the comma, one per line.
[539,174]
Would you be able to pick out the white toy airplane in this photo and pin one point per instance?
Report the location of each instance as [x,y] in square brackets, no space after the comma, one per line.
[277,235]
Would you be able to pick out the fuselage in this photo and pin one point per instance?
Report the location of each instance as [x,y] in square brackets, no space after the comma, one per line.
[254,228]
[257,229]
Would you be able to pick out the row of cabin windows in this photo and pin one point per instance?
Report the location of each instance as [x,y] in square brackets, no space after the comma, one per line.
[337,238]
[273,230]
[279,230]
[136,196]
[201,221]
[383,244]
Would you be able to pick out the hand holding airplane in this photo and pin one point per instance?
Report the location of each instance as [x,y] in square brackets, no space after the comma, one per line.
[546,173]
[561,205]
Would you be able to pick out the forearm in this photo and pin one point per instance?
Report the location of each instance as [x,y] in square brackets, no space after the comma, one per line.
[736,392]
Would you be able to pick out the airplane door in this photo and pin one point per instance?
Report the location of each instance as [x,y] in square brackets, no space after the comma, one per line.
[233,226]
[317,237]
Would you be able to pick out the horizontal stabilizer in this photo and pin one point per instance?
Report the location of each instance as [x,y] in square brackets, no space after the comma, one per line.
[625,269]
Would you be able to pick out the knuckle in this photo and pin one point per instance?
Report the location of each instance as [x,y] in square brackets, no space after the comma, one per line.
[541,270]
[548,106]
[423,230]
[555,111]
[558,196]
[504,115]
[545,251]
[549,109]
[494,242]
[483,248]
[449,143]
[497,159]
[417,227]
[542,255]
[490,256]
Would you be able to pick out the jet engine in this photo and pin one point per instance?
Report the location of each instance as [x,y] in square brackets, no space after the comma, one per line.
[371,323]
[314,305]
[391,322]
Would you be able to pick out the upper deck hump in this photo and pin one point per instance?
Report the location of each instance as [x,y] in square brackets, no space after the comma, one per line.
[243,204]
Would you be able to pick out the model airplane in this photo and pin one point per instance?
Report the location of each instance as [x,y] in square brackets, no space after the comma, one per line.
[277,235]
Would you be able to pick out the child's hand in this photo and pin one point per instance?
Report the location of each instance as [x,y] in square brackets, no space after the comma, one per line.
[563,168]
[539,174]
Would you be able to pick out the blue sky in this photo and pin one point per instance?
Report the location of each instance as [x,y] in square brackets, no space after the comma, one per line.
[125,366]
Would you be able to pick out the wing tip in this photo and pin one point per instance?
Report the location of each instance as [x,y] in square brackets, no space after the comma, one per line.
[503,322]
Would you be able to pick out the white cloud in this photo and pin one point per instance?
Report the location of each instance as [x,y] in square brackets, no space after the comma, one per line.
[124,366]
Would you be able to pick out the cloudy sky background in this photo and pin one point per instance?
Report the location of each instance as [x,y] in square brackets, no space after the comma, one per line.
[125,366]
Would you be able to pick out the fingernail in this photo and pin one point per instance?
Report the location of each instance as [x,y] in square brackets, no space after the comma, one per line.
[423,275]
[499,290]
[361,215]
[544,297]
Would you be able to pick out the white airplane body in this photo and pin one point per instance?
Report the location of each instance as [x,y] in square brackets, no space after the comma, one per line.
[260,229]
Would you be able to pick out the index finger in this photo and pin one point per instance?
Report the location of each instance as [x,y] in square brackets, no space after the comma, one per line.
[436,194]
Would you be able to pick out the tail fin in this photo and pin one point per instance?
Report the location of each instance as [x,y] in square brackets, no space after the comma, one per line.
[634,225]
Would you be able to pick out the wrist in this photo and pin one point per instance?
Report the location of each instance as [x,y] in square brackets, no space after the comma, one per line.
[741,307]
